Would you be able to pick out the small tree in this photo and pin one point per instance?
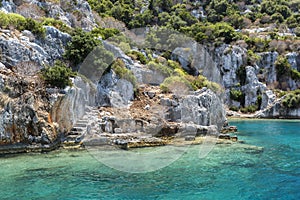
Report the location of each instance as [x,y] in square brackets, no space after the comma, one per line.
[80,46]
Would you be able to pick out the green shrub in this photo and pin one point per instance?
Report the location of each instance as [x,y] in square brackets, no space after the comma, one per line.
[249,109]
[136,55]
[236,95]
[12,20]
[105,32]
[81,44]
[283,67]
[295,74]
[252,58]
[234,108]
[206,32]
[96,63]
[257,44]
[292,99]
[35,27]
[57,24]
[165,70]
[120,69]
[58,75]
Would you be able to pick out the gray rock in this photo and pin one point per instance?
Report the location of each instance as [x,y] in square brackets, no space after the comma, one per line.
[268,98]
[118,130]
[41,51]
[294,60]
[165,102]
[189,138]
[113,91]
[8,7]
[267,62]
[151,94]
[72,105]
[253,87]
[147,76]
[277,110]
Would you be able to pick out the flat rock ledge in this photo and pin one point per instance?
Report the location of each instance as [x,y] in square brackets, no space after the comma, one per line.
[25,148]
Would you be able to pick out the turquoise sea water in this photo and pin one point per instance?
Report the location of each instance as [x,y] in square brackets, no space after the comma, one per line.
[228,172]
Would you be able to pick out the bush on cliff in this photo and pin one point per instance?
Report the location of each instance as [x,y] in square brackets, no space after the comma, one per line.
[236,95]
[57,76]
[12,20]
[120,69]
[292,100]
[136,55]
[57,24]
[81,44]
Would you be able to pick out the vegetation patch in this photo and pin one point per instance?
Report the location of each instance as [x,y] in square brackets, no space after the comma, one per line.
[12,20]
[57,24]
[136,55]
[120,69]
[81,44]
[292,99]
[249,109]
[58,76]
[236,95]
[284,69]
[105,33]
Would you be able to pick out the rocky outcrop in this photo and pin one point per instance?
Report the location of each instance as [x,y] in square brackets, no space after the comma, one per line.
[147,76]
[33,117]
[24,47]
[252,87]
[277,110]
[69,107]
[195,59]
[113,91]
[24,111]
[202,107]
[228,66]
[73,13]
[267,64]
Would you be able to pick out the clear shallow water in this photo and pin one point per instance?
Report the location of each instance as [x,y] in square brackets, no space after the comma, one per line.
[228,172]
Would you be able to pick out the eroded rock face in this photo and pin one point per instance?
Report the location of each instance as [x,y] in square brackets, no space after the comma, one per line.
[24,113]
[69,107]
[23,47]
[229,59]
[73,13]
[253,87]
[203,107]
[197,58]
[267,62]
[147,76]
[31,114]
[113,91]
[277,110]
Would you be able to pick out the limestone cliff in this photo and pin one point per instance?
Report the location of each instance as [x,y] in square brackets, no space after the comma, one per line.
[34,115]
[17,48]
[278,111]
[73,13]
[229,65]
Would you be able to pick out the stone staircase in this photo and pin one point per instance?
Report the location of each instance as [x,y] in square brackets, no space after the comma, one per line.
[87,125]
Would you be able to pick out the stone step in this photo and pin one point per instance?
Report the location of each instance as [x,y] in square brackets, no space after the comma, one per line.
[80,125]
[82,121]
[76,133]
[79,129]
[73,138]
